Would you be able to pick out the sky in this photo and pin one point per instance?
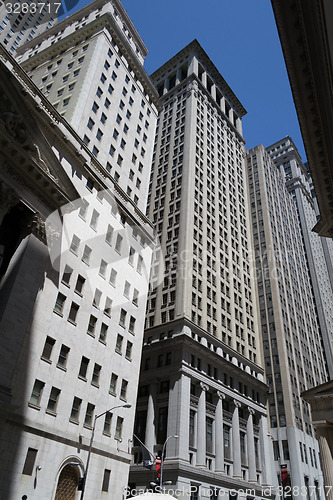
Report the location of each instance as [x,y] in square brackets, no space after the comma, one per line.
[241,39]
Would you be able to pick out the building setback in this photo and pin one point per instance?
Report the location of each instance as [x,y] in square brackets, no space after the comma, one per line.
[293,351]
[201,371]
[90,67]
[73,282]
[318,249]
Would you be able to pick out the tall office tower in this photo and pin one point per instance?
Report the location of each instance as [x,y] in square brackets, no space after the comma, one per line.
[201,372]
[23,21]
[294,357]
[90,67]
[319,250]
[71,322]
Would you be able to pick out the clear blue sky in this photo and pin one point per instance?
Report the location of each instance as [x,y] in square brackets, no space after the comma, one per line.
[241,39]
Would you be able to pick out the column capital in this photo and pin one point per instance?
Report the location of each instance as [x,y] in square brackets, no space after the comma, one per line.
[220,395]
[237,403]
[250,410]
[204,387]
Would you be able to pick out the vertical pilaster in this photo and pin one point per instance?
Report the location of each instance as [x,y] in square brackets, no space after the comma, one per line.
[236,448]
[219,438]
[201,427]
[266,454]
[193,67]
[150,438]
[251,454]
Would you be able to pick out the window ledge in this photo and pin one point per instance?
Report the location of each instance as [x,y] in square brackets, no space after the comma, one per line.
[58,313]
[82,378]
[46,360]
[72,322]
[50,412]
[35,407]
[95,384]
[76,422]
[63,368]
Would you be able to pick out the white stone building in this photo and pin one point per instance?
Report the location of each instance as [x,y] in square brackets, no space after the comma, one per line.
[90,67]
[201,373]
[293,351]
[75,256]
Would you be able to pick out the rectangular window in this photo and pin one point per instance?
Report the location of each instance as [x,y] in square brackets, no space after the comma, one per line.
[74,246]
[113,384]
[36,393]
[118,243]
[60,301]
[107,424]
[106,480]
[88,419]
[102,268]
[127,288]
[119,343]
[97,298]
[94,219]
[29,464]
[96,374]
[129,347]
[84,367]
[123,390]
[119,428]
[131,256]
[107,307]
[139,265]
[122,318]
[113,277]
[79,284]
[92,325]
[63,356]
[53,400]
[67,275]
[135,297]
[109,233]
[86,254]
[131,326]
[48,346]
[103,332]
[73,312]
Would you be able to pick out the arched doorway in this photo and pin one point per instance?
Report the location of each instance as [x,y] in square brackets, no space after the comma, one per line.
[67,483]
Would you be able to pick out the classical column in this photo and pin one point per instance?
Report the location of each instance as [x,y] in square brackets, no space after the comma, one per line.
[251,452]
[219,438]
[166,85]
[266,452]
[325,440]
[178,75]
[179,416]
[150,439]
[236,448]
[201,427]
[222,104]
[193,66]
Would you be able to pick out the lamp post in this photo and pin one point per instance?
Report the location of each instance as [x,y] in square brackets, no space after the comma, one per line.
[91,443]
[162,457]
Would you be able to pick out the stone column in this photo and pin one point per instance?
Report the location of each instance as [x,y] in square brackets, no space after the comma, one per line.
[222,104]
[204,79]
[219,437]
[179,417]
[150,437]
[178,75]
[266,452]
[213,91]
[239,125]
[201,427]
[166,85]
[193,67]
[236,449]
[251,453]
[325,440]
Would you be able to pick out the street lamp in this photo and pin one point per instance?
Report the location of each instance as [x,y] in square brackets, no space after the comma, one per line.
[162,457]
[91,443]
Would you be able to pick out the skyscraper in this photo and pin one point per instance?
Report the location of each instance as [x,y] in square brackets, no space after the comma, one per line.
[90,67]
[318,249]
[293,351]
[201,371]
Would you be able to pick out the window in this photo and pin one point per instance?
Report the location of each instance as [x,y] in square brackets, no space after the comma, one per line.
[95,151]
[113,384]
[129,347]
[131,256]
[107,424]
[127,288]
[106,65]
[109,233]
[96,374]
[110,89]
[88,419]
[99,134]
[92,325]
[103,332]
[63,356]
[95,107]
[75,412]
[117,63]
[113,277]
[102,268]
[118,243]
[86,255]
[122,318]
[119,428]
[122,144]
[73,312]
[123,389]
[135,297]
[131,325]
[107,104]
[79,284]
[99,92]
[103,78]
[53,400]
[114,76]
[74,244]
[103,118]
[66,101]
[139,265]
[84,367]
[106,480]
[119,343]
[48,346]
[29,464]
[107,307]
[112,150]
[115,134]
[97,298]
[76,73]
[36,393]
[59,305]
